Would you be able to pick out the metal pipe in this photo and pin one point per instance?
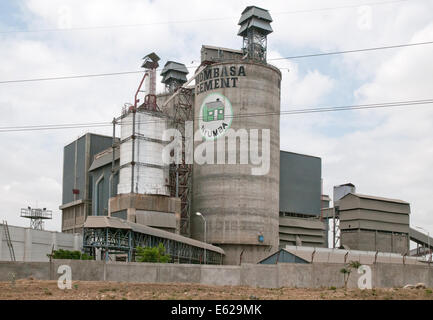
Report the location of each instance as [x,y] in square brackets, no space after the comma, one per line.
[200,215]
[106,244]
[133,150]
[333,228]
[113,146]
[177,180]
[204,240]
[138,90]
[75,167]
[130,245]
[321,196]
[428,242]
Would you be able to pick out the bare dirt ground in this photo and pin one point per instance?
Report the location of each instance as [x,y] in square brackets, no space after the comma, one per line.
[88,290]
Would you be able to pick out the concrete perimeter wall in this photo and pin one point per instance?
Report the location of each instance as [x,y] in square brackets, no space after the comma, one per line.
[34,245]
[317,275]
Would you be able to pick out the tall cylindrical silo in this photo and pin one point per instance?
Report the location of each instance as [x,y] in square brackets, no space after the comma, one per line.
[241,209]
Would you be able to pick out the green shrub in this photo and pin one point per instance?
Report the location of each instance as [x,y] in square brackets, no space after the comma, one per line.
[152,254]
[67,254]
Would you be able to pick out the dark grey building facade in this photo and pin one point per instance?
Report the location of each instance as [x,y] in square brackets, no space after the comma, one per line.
[77,182]
[300,184]
[300,220]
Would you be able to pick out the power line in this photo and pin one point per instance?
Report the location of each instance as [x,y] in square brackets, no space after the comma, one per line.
[355,50]
[72,77]
[344,7]
[198,20]
[196,66]
[48,126]
[260,114]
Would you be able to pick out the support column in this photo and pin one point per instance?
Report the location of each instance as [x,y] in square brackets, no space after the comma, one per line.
[77,241]
[130,246]
[392,241]
[54,240]
[28,245]
[1,241]
[131,214]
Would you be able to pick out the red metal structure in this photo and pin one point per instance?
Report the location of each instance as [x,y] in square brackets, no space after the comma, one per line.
[150,64]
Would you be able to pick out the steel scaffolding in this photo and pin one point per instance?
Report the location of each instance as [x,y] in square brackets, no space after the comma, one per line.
[111,241]
[181,174]
[36,216]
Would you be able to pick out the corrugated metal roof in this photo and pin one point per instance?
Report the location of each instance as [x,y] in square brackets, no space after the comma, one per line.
[104,159]
[282,256]
[259,24]
[172,65]
[345,184]
[364,196]
[152,56]
[116,223]
[253,11]
[420,237]
[328,255]
[221,49]
[105,222]
[173,236]
[172,74]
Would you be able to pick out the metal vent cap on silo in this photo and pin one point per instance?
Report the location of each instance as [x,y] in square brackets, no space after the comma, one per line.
[255,17]
[174,75]
[255,25]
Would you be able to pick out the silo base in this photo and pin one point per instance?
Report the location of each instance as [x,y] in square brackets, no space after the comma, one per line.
[155,211]
[235,254]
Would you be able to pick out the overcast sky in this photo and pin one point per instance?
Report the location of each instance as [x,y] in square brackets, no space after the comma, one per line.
[384,152]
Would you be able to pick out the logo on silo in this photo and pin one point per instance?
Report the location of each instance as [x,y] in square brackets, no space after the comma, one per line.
[215,117]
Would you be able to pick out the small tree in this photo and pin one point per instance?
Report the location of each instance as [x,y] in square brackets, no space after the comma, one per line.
[152,254]
[348,269]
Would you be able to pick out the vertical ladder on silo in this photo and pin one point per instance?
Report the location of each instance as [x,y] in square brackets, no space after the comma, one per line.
[9,241]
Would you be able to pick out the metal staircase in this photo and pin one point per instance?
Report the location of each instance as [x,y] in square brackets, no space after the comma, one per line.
[8,240]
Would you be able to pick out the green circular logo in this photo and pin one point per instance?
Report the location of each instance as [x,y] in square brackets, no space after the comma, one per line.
[216,114]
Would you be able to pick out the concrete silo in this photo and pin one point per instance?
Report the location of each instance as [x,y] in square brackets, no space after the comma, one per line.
[241,209]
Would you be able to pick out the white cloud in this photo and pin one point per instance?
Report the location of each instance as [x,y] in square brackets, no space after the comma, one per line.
[391,151]
[311,88]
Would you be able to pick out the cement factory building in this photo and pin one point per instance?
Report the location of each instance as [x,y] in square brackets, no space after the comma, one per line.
[228,202]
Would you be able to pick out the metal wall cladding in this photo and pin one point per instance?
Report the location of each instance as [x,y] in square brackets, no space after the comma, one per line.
[300,183]
[237,205]
[74,170]
[77,158]
[150,173]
